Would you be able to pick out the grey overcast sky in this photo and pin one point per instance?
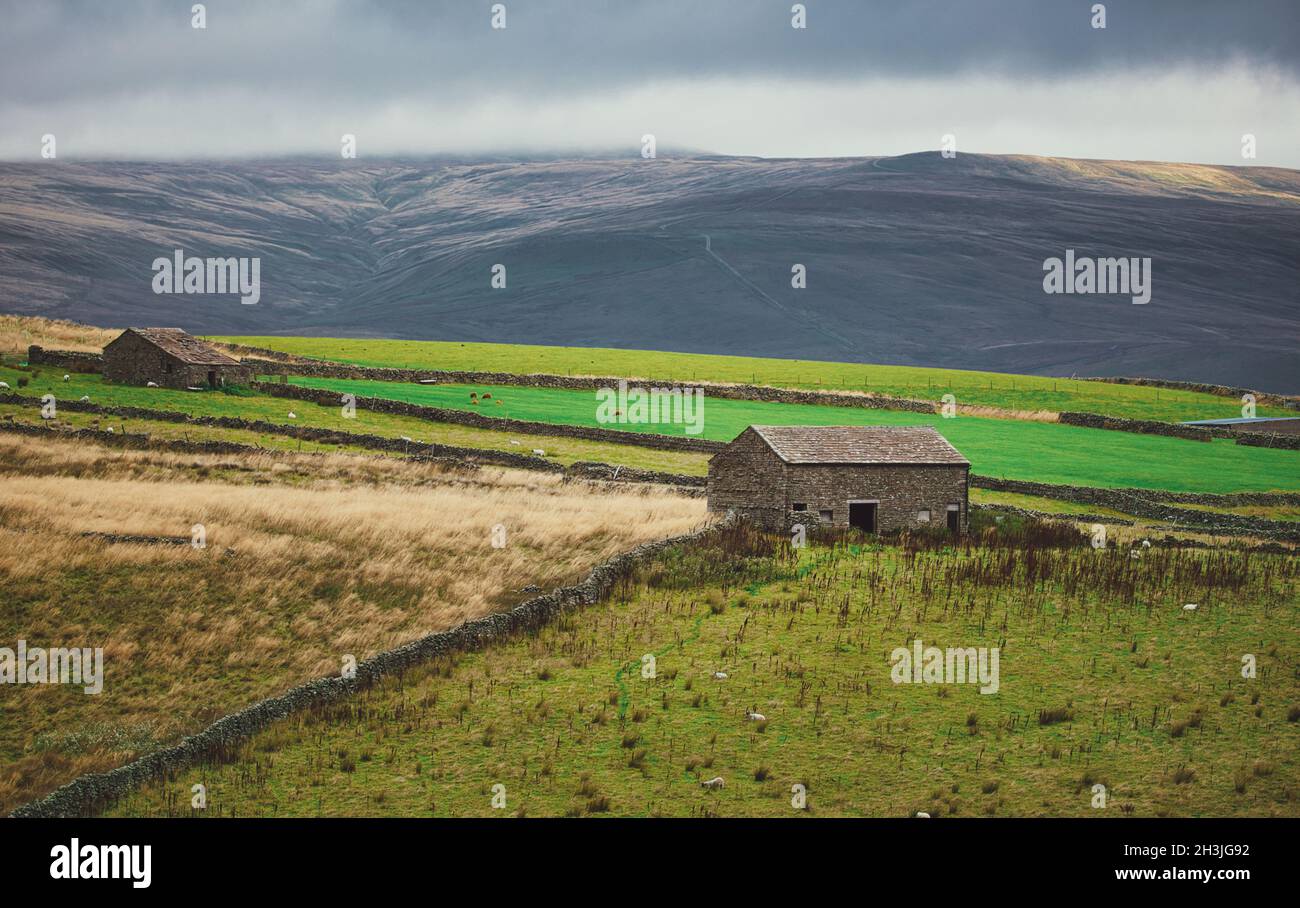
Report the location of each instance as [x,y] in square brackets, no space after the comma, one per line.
[1173,80]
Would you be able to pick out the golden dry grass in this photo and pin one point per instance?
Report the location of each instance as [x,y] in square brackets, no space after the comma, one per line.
[1001,413]
[18,332]
[308,559]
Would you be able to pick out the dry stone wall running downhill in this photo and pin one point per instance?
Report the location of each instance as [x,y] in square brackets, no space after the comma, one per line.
[1269,440]
[1156,506]
[1261,397]
[1140,426]
[92,793]
[322,369]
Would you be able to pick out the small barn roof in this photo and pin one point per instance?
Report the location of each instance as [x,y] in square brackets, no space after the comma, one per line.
[184,346]
[859,444]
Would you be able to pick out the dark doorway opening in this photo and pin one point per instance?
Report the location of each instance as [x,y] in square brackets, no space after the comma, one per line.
[862,514]
[212,379]
[954,521]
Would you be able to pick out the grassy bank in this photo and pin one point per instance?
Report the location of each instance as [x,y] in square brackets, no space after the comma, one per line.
[994,389]
[1014,449]
[1104,680]
[307,559]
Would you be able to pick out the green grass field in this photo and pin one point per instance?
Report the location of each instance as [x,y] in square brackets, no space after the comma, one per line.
[1015,449]
[994,389]
[1104,679]
[275,410]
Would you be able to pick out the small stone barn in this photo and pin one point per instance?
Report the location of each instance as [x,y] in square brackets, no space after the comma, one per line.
[172,359]
[876,478]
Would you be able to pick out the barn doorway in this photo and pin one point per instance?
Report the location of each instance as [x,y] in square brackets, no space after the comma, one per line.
[212,378]
[954,519]
[862,514]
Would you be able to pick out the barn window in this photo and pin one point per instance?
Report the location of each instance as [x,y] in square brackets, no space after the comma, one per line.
[922,516]
[798,506]
[827,516]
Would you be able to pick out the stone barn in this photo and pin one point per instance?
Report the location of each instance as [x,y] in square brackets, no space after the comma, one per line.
[172,359]
[876,478]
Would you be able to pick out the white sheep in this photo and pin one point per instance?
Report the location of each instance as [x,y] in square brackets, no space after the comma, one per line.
[714,784]
[151,384]
[85,398]
[513,442]
[922,815]
[1189,607]
[406,438]
[719,676]
[110,429]
[539,452]
[293,415]
[755,717]
[1146,543]
[67,378]
[4,384]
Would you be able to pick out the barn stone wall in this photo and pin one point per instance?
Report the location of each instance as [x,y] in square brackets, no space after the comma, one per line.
[749,479]
[903,491]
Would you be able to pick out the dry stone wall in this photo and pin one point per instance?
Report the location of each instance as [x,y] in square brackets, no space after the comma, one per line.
[1156,506]
[1141,426]
[92,793]
[1262,397]
[71,360]
[321,369]
[590,470]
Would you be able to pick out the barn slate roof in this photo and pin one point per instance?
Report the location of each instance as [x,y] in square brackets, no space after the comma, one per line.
[859,444]
[184,346]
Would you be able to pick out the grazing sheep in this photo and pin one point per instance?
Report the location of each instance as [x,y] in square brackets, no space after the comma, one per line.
[714,784]
[405,438]
[67,378]
[513,442]
[473,395]
[152,384]
[1146,543]
[755,717]
[85,398]
[293,415]
[539,452]
[1135,554]
[4,384]
[110,429]
[719,676]
[921,814]
[498,401]
[1189,607]
[487,396]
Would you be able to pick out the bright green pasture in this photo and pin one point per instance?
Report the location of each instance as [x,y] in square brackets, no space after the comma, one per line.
[248,405]
[994,389]
[1015,449]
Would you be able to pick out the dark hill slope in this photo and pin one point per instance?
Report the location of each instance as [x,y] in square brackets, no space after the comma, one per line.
[913,260]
